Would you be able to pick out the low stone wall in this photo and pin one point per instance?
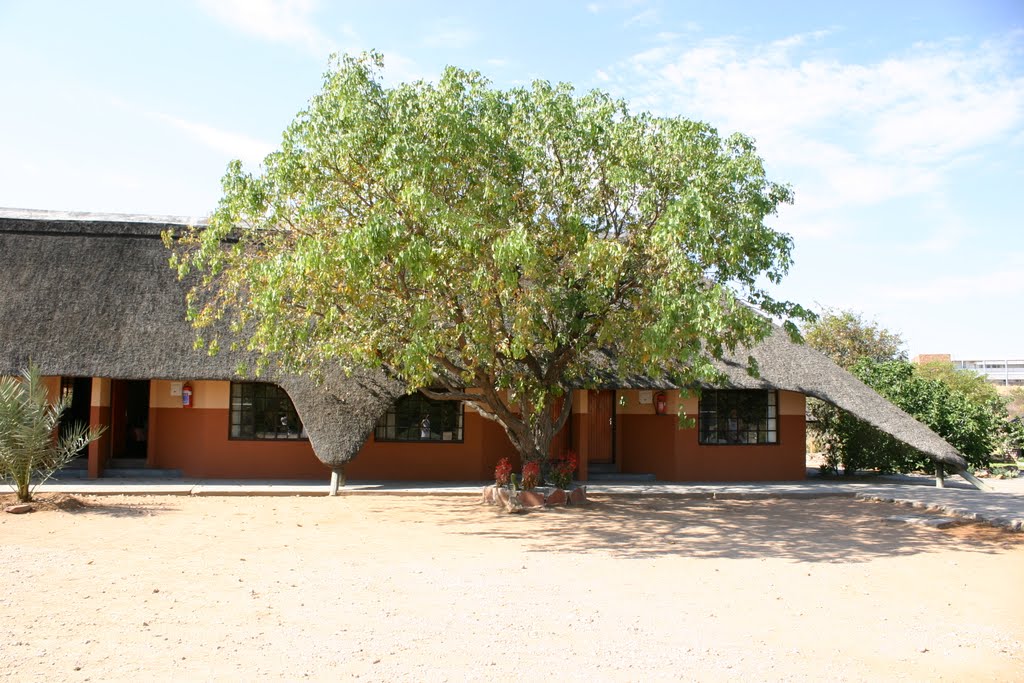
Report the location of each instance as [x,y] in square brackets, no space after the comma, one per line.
[519,501]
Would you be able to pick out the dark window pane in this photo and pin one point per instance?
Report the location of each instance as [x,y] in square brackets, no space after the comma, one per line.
[418,418]
[737,417]
[263,411]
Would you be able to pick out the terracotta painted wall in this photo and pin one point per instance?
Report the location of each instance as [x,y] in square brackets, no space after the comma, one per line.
[784,461]
[52,385]
[195,440]
[99,416]
[648,445]
[655,444]
[485,442]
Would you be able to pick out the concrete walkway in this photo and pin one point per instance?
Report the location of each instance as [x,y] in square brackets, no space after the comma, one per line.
[1004,507]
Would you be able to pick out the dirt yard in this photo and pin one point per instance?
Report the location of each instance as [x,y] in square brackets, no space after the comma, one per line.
[424,588]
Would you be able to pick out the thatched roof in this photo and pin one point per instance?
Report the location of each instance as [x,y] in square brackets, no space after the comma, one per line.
[785,365]
[92,295]
[797,367]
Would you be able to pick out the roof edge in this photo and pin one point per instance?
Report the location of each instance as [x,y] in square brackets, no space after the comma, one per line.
[37,221]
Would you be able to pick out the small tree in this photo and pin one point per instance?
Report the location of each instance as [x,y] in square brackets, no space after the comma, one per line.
[972,425]
[959,406]
[847,338]
[30,449]
[967,382]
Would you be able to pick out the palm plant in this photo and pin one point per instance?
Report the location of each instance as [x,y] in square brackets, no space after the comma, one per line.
[30,449]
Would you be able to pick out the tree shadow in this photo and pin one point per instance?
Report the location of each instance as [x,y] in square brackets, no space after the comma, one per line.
[63,502]
[803,530]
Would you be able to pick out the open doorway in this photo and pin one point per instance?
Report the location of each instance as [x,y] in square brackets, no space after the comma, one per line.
[129,420]
[80,391]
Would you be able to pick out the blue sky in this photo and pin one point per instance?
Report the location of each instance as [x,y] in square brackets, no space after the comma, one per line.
[900,125]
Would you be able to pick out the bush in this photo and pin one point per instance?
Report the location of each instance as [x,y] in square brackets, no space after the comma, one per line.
[531,475]
[563,469]
[503,472]
[29,447]
[972,425]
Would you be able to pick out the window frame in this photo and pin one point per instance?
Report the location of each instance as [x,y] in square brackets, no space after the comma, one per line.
[768,424]
[392,415]
[279,395]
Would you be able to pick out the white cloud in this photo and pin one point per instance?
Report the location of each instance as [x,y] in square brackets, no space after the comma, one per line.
[280,21]
[946,289]
[450,33]
[234,145]
[648,17]
[849,134]
[401,69]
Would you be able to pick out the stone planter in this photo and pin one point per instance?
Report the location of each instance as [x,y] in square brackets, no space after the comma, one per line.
[540,497]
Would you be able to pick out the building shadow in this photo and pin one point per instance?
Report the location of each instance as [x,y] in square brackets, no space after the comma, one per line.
[818,530]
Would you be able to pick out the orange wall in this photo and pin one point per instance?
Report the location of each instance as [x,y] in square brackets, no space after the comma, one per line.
[485,442]
[654,444]
[195,440]
[647,445]
[99,450]
[783,461]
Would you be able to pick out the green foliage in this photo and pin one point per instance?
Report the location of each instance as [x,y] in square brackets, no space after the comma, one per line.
[1015,401]
[29,450]
[461,236]
[845,337]
[971,426]
[966,382]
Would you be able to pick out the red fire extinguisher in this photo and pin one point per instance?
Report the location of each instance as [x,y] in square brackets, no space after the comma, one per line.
[186,396]
[660,403]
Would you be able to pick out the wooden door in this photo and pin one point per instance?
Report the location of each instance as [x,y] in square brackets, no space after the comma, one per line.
[602,427]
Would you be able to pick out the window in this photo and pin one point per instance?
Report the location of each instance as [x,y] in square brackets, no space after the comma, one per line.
[418,418]
[263,411]
[738,417]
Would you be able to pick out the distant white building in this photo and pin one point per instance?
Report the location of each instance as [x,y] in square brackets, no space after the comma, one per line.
[1003,372]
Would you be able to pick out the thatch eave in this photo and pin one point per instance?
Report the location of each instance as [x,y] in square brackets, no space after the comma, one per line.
[86,294]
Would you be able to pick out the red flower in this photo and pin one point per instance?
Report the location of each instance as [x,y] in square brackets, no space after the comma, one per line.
[563,469]
[503,472]
[531,474]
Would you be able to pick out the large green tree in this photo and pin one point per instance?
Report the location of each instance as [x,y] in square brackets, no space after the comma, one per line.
[482,244]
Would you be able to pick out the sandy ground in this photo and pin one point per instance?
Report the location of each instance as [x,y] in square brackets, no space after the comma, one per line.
[426,588]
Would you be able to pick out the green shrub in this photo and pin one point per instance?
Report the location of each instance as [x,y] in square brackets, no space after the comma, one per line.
[972,425]
[30,451]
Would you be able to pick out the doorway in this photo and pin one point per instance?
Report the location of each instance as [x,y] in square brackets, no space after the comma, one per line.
[602,427]
[129,419]
[79,389]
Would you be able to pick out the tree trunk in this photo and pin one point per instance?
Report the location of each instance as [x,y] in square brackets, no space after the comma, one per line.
[337,478]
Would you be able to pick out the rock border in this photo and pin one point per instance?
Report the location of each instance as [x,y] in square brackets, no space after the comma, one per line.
[518,500]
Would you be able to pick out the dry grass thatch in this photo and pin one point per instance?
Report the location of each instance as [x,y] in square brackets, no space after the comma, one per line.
[92,295]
